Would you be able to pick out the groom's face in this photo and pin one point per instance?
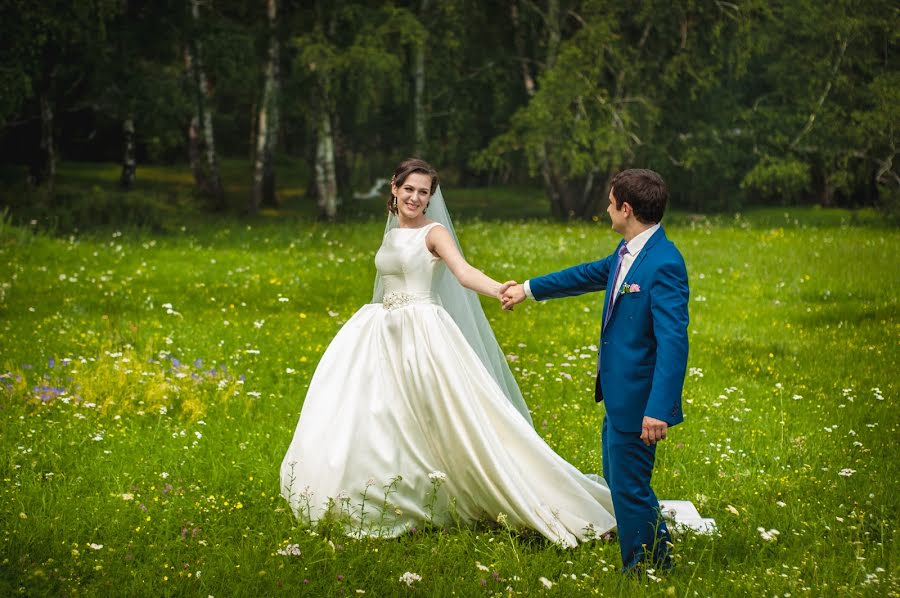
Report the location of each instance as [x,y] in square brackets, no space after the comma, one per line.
[617,215]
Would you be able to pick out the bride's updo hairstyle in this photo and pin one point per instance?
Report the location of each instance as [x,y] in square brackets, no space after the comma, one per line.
[406,168]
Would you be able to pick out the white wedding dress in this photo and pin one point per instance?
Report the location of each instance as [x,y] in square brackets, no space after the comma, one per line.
[401,392]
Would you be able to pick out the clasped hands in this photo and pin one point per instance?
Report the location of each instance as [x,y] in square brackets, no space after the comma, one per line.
[510,294]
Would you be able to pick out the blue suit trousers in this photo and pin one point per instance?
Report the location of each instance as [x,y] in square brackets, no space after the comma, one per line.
[627,467]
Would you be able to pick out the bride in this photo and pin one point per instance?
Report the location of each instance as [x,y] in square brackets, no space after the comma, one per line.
[412,414]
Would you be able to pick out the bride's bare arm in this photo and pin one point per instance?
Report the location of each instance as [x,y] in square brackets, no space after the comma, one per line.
[441,244]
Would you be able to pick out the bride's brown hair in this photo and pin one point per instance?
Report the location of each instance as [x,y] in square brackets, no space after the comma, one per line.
[406,168]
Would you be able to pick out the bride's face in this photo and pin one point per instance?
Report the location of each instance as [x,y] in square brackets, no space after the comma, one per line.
[413,195]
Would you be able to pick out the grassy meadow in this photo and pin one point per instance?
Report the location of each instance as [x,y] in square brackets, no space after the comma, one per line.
[151,379]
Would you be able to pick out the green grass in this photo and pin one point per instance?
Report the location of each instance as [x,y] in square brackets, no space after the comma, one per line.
[793,381]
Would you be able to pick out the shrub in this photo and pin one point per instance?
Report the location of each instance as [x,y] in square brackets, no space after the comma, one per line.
[785,180]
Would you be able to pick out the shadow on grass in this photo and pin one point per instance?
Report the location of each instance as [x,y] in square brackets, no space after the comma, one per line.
[857,310]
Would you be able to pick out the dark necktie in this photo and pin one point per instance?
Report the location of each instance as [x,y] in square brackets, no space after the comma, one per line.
[612,289]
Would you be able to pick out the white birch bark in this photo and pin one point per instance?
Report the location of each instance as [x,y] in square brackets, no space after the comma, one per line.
[260,154]
[129,161]
[47,174]
[193,132]
[214,180]
[519,40]
[326,180]
[274,128]
[263,169]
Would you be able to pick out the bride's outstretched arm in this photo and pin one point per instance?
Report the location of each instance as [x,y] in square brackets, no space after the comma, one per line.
[441,244]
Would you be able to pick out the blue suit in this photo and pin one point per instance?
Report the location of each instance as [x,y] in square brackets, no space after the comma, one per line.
[642,361]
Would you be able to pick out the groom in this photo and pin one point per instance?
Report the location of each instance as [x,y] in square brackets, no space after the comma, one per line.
[642,355]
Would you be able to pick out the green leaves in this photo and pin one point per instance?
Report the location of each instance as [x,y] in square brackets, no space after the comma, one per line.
[787,179]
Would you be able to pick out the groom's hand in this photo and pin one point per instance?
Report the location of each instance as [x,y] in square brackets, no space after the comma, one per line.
[505,286]
[653,430]
[512,296]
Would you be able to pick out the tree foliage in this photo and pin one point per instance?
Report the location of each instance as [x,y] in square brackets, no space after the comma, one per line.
[783,101]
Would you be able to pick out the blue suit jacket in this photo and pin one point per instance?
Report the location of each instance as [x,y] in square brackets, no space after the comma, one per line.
[644,346]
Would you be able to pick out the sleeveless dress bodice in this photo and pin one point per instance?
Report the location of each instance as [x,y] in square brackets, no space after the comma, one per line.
[408,270]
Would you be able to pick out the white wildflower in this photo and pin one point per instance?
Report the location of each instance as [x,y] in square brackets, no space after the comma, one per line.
[290,550]
[768,535]
[410,578]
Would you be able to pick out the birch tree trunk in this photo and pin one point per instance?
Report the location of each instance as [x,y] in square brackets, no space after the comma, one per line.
[193,131]
[259,161]
[129,162]
[42,165]
[46,171]
[204,113]
[263,168]
[419,87]
[194,154]
[519,41]
[254,125]
[269,198]
[326,181]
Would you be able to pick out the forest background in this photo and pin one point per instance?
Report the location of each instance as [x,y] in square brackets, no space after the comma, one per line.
[735,103]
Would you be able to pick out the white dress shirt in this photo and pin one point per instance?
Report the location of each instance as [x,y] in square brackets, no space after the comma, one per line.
[634,247]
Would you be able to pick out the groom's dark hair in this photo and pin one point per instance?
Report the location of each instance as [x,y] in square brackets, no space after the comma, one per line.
[406,168]
[644,190]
